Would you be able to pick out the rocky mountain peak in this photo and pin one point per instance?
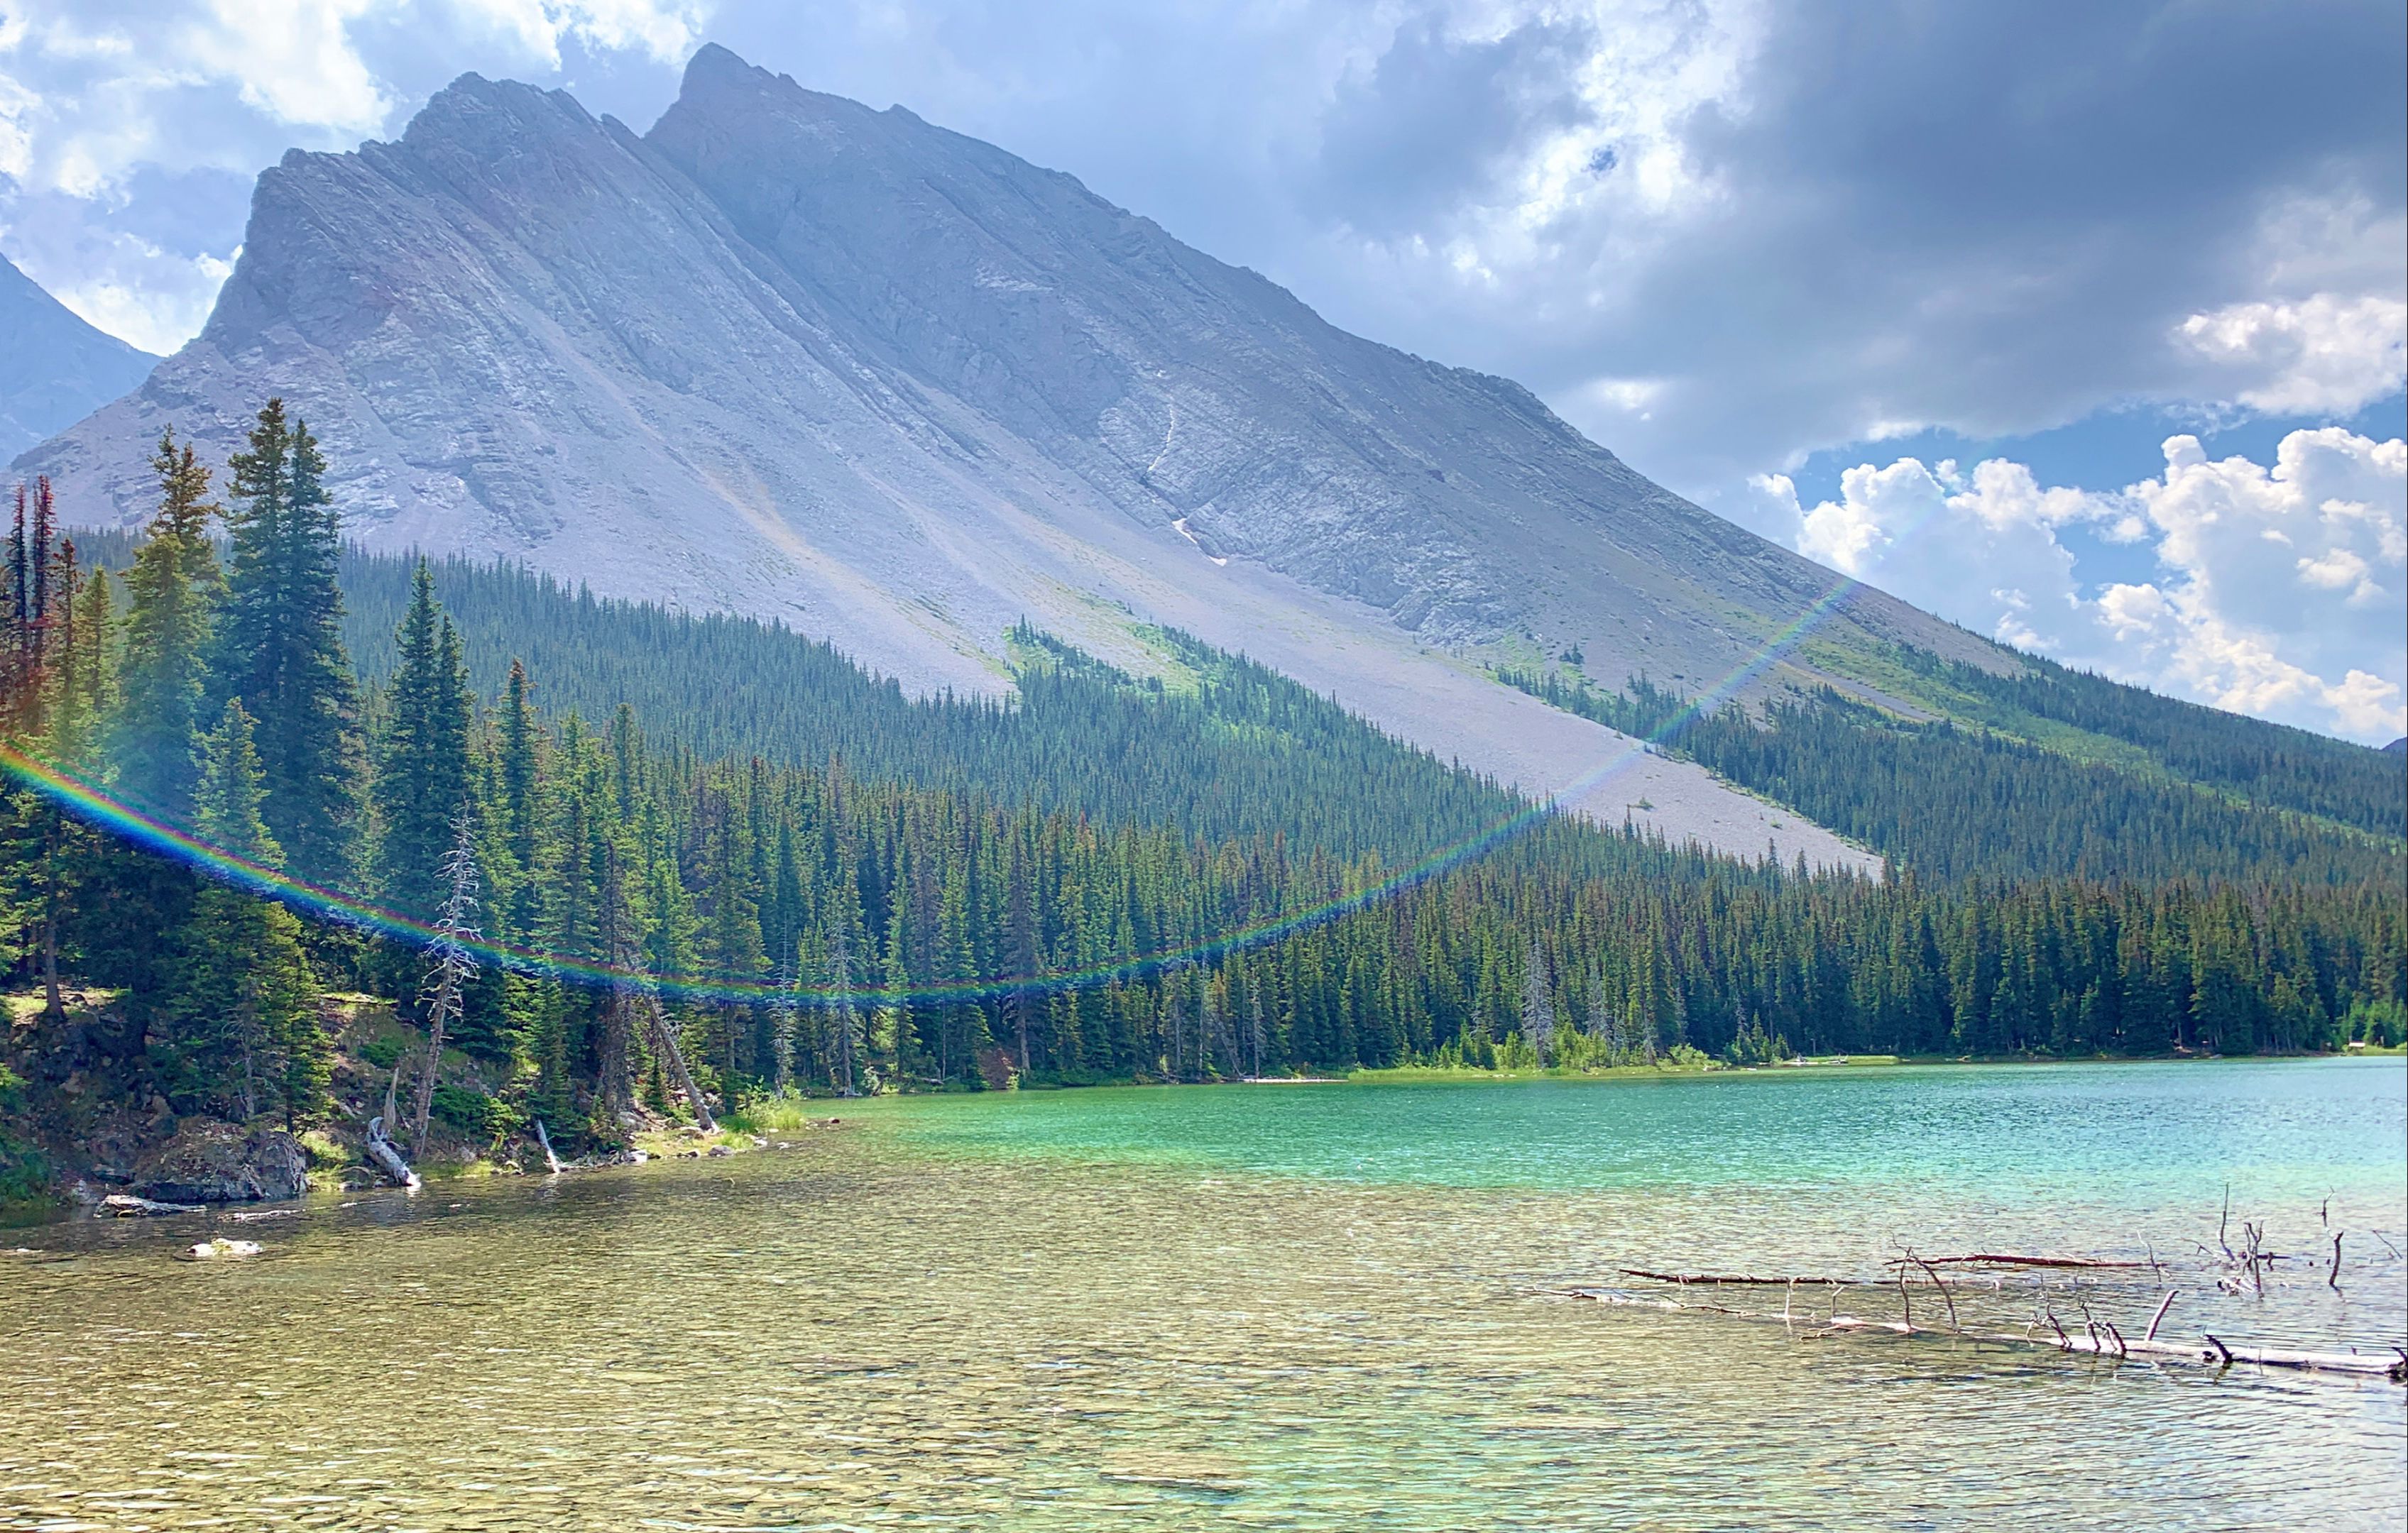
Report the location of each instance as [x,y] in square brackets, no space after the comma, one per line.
[786,354]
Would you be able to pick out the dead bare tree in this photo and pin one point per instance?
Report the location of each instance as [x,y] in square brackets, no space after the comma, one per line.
[782,1028]
[839,963]
[451,965]
[640,996]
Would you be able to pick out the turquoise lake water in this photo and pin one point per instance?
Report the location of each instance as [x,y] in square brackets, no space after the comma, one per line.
[1268,1307]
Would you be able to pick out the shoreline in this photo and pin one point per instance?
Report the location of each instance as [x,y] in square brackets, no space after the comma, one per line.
[772,1124]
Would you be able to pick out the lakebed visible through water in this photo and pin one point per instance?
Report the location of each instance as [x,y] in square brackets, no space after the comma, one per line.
[1307,1307]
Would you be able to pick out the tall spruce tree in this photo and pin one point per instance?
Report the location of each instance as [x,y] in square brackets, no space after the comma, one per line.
[155,744]
[87,669]
[279,647]
[423,778]
[241,1020]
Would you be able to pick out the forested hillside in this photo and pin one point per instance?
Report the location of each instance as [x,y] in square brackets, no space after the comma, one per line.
[843,900]
[1951,800]
[1229,749]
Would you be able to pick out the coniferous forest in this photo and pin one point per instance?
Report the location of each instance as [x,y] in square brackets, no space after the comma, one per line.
[622,859]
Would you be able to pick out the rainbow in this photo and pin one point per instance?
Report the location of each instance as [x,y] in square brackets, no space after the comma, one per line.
[89,802]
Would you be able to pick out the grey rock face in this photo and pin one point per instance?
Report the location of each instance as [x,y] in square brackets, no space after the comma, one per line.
[213,1161]
[787,356]
[55,368]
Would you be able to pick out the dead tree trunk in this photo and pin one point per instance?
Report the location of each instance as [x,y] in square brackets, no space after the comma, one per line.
[388,1159]
[664,1038]
[445,998]
[453,966]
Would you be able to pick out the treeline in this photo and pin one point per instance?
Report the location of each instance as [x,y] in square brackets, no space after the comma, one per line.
[1234,749]
[808,927]
[2272,764]
[1951,803]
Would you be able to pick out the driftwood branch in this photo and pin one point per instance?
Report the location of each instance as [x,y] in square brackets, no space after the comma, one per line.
[388,1159]
[127,1206]
[1738,1279]
[1992,1258]
[1934,1276]
[2095,1340]
[2159,1318]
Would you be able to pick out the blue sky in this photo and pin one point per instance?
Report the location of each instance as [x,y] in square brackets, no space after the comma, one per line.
[1924,288]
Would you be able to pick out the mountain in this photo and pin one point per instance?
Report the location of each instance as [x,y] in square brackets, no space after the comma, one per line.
[55,368]
[789,356]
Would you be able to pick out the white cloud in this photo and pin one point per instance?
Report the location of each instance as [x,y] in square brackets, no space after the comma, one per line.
[291,59]
[2282,590]
[153,300]
[1978,550]
[2326,355]
[663,31]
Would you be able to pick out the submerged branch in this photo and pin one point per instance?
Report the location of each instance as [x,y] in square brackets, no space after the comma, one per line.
[1990,1258]
[2097,1339]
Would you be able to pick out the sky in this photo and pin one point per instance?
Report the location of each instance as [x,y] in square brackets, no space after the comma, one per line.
[2082,325]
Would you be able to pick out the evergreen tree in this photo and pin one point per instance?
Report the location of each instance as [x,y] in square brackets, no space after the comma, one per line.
[1538,1004]
[518,773]
[423,768]
[174,584]
[279,645]
[240,1022]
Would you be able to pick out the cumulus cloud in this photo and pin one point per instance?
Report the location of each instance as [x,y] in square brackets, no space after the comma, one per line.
[1980,549]
[2282,589]
[2325,356]
[1869,219]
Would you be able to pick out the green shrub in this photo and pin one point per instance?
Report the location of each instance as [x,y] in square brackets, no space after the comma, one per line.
[2382,1024]
[471,1112]
[24,1170]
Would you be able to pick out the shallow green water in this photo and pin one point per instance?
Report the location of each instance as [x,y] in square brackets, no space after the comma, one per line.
[1265,1307]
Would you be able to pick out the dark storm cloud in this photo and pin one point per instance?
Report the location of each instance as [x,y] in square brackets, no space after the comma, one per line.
[1437,121]
[1995,217]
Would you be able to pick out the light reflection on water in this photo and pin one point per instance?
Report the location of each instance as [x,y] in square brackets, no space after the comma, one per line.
[1300,1308]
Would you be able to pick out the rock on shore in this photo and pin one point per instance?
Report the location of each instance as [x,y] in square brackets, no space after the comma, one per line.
[213,1161]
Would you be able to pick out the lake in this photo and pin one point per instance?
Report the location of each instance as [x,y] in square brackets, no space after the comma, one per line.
[1266,1307]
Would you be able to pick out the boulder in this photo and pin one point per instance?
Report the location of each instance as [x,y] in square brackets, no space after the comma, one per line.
[213,1161]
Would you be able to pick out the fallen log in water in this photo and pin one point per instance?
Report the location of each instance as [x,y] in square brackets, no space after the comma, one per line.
[1753,1280]
[1997,1259]
[2097,1338]
[1738,1279]
[544,1139]
[381,1150]
[127,1206]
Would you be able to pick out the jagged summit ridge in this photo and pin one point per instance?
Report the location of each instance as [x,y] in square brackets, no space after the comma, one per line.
[788,355]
